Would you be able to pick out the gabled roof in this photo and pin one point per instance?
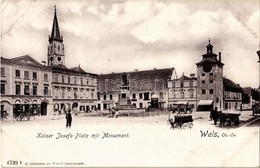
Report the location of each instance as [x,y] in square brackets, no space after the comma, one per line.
[183,77]
[5,60]
[229,85]
[64,70]
[25,59]
[78,69]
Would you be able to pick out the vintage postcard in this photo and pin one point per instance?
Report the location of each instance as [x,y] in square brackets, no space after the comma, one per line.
[130,83]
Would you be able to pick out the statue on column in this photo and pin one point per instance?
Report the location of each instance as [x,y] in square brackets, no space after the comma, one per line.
[125,80]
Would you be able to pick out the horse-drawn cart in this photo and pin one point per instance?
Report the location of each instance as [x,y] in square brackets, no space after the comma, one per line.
[256,109]
[181,121]
[229,119]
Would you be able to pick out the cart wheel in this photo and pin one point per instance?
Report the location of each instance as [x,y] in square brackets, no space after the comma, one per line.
[186,125]
[21,116]
[175,125]
[190,125]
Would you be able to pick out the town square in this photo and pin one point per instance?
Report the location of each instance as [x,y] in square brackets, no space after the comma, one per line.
[130,83]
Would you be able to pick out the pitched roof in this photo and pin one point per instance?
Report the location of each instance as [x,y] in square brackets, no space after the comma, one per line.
[64,70]
[78,69]
[138,77]
[183,77]
[229,85]
[25,59]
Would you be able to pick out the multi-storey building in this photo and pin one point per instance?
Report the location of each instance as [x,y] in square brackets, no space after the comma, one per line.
[25,85]
[209,89]
[183,91]
[73,88]
[146,88]
[232,97]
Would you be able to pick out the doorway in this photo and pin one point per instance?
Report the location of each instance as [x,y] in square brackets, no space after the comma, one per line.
[43,108]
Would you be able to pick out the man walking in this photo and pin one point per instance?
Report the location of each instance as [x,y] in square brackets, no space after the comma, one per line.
[68,119]
[215,115]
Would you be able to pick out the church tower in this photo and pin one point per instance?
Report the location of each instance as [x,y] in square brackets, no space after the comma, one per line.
[56,47]
[210,79]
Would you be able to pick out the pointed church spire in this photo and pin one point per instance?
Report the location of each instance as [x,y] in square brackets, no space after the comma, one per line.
[55,33]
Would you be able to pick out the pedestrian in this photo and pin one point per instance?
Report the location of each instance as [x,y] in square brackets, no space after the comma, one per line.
[211,114]
[68,119]
[215,115]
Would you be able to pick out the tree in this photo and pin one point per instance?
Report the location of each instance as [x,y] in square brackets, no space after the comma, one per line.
[245,98]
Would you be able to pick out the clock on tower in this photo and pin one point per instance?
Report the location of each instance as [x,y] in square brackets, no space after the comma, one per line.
[210,79]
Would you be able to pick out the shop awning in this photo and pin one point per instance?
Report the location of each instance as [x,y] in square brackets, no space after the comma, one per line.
[181,102]
[205,102]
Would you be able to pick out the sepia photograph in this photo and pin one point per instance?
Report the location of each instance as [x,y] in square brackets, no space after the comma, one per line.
[130,83]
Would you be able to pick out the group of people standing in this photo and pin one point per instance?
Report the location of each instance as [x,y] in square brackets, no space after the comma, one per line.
[214,114]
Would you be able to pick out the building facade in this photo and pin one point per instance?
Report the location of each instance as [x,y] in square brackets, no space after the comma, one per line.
[209,89]
[25,85]
[183,91]
[73,88]
[146,88]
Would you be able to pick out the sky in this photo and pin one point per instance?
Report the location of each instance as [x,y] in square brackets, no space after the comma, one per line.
[119,36]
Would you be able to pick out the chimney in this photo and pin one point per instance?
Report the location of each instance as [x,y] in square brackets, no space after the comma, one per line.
[136,70]
[192,75]
[219,56]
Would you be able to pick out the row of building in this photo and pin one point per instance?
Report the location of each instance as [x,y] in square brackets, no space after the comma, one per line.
[27,85]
